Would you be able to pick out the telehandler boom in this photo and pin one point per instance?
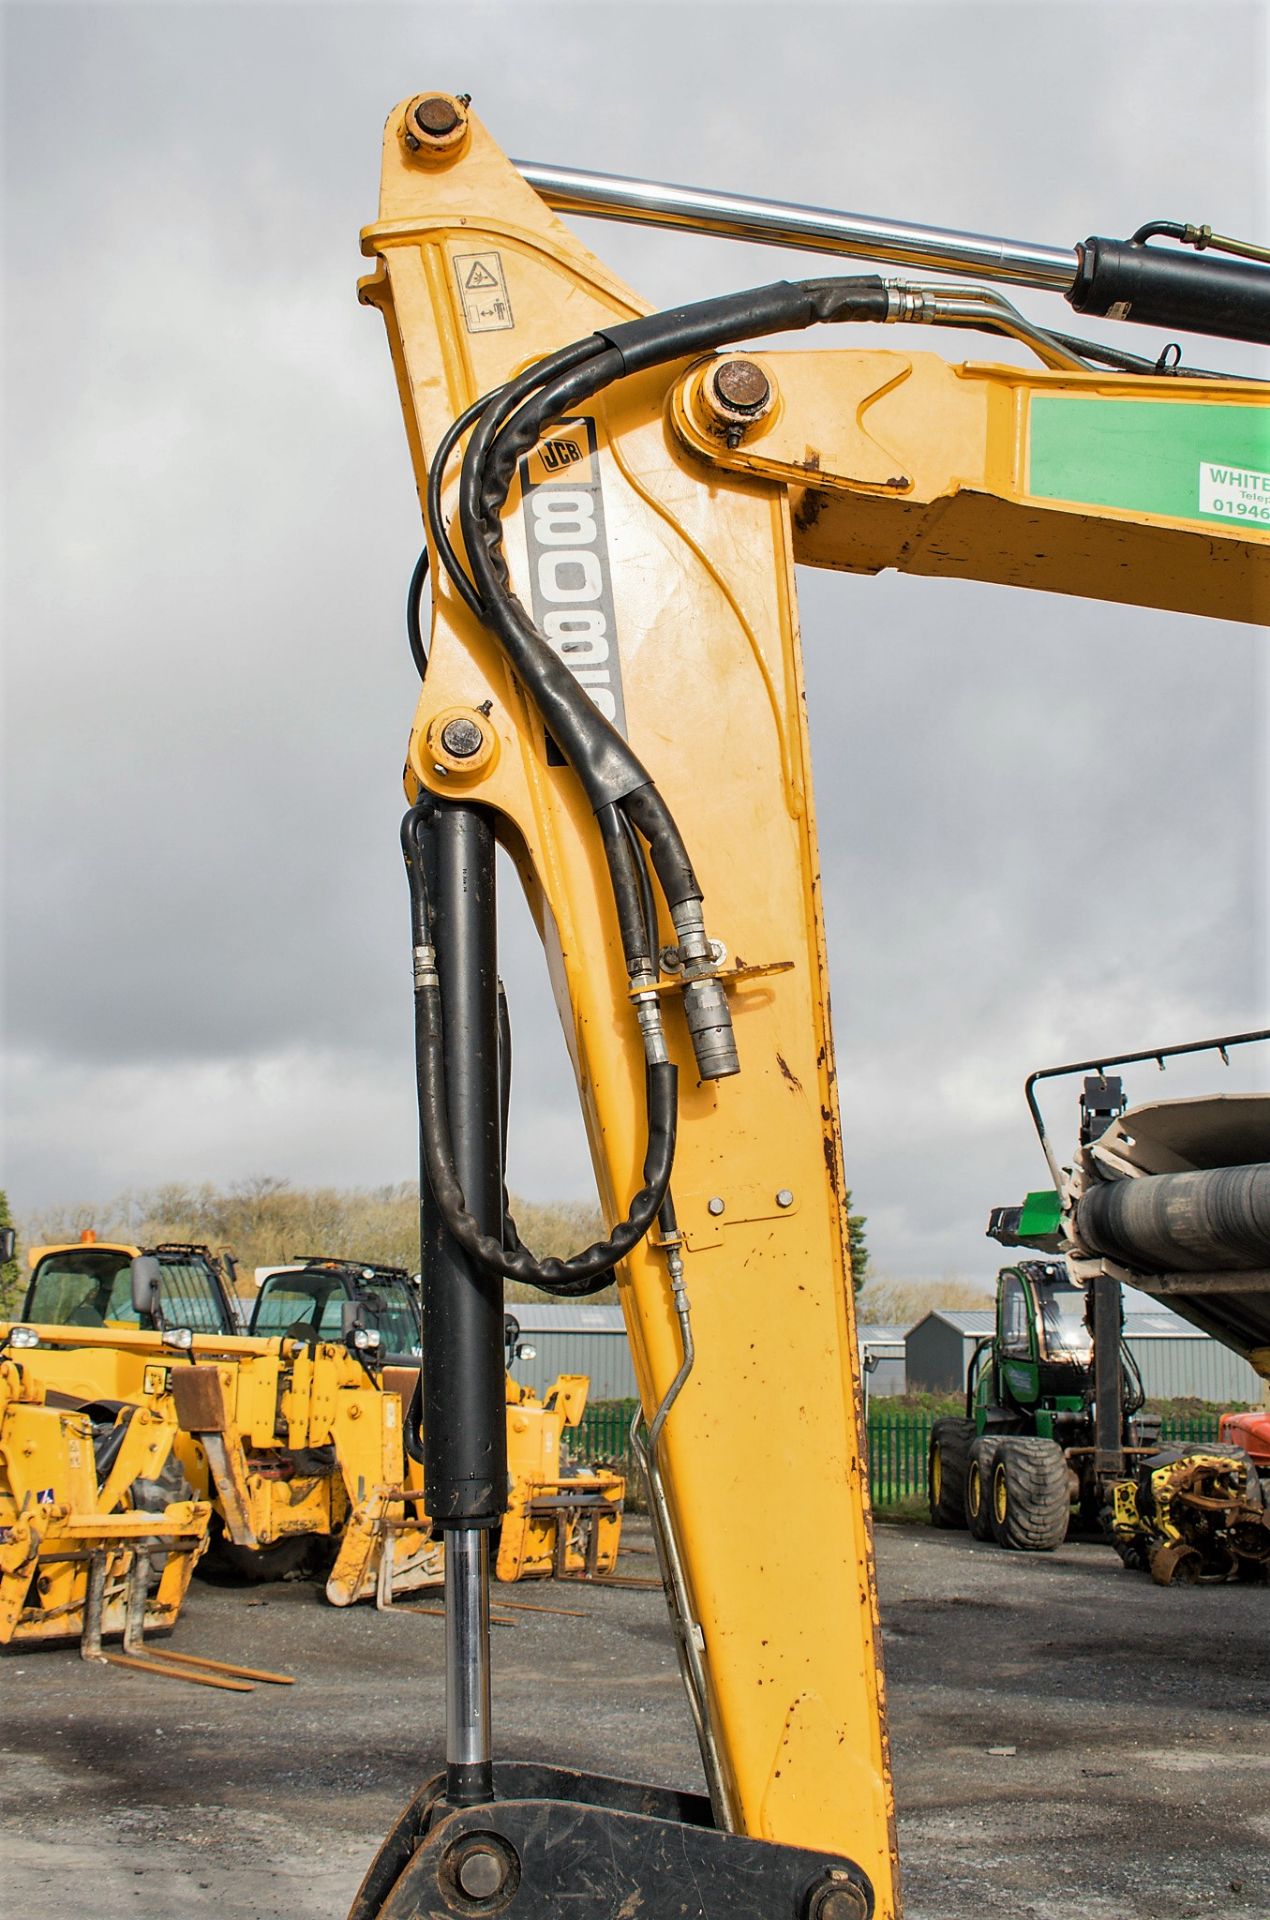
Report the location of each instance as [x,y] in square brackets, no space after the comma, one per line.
[615,501]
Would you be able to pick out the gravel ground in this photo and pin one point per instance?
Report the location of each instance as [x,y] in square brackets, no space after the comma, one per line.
[1137,1788]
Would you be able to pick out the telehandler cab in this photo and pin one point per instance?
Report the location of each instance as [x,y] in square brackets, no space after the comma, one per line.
[319,1294]
[96,1283]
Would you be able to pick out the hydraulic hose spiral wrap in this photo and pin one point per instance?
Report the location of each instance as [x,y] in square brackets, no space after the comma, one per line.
[505,426]
[585,1272]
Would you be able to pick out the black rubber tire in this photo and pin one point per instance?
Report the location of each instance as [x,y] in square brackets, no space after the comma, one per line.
[257,1565]
[946,1464]
[1031,1494]
[983,1457]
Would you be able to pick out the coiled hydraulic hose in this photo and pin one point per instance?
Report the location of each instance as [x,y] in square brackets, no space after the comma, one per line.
[584,1272]
[629,810]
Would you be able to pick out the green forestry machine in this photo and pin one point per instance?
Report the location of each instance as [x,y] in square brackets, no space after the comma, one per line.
[1172,1198]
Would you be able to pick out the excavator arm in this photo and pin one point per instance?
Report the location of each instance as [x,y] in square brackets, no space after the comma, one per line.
[614,693]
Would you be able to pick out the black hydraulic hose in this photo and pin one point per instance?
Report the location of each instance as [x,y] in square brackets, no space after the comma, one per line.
[542,370]
[618,786]
[648,906]
[511,1238]
[1134,362]
[608,768]
[604,762]
[504,1067]
[414,622]
[420,914]
[629,347]
[1136,1399]
[432,503]
[631,917]
[582,1273]
[412,1425]
[1157,229]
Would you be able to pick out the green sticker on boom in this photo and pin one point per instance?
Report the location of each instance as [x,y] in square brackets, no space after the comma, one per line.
[1180,459]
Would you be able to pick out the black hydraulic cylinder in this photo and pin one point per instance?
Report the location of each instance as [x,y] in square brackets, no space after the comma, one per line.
[464,1402]
[1213,1220]
[1167,287]
[1108,1379]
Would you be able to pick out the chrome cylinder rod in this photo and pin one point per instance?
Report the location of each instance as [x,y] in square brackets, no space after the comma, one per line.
[814,229]
[468,1749]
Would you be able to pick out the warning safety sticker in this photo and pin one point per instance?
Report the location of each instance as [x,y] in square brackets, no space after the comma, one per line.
[483,291]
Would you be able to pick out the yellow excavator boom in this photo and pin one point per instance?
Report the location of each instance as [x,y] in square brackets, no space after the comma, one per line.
[637,539]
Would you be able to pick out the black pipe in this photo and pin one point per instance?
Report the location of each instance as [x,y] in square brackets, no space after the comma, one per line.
[464,1414]
[1107,1317]
[1214,1220]
[1159,287]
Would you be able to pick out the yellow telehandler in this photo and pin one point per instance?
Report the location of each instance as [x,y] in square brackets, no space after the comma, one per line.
[300,1441]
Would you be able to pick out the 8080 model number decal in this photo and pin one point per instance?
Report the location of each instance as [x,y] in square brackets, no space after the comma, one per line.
[563,506]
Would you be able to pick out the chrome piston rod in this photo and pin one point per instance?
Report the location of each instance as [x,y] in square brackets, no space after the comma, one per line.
[813,229]
[468,1749]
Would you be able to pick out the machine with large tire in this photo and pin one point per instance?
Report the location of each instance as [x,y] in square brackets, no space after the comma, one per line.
[1020,1462]
[1053,1426]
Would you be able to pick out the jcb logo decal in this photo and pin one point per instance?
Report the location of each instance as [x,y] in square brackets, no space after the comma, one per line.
[569,561]
[566,449]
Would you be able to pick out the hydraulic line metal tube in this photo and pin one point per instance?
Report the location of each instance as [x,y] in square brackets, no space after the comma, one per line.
[813,229]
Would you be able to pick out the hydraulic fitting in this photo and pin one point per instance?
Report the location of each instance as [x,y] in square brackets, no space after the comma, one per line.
[705,1002]
[648,1013]
[710,1025]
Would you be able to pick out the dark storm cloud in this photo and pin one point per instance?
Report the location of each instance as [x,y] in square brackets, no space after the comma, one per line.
[1041,819]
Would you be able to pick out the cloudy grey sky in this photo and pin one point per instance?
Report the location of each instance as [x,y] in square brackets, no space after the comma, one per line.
[1042,819]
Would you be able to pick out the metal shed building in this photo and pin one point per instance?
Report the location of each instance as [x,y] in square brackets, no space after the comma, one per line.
[885,1347]
[1176,1360]
[575,1339]
[592,1340]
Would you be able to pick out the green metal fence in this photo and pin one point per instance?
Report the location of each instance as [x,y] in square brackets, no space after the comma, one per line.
[1189,1426]
[604,1435]
[897,1456]
[898,1444]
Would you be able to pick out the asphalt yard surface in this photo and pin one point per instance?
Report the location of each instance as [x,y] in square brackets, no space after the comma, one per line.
[1131,1779]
